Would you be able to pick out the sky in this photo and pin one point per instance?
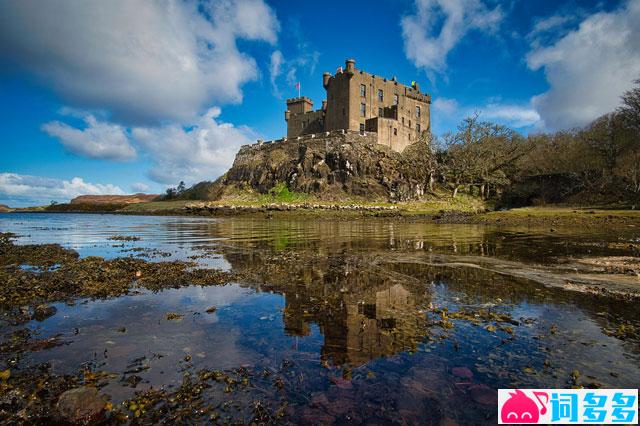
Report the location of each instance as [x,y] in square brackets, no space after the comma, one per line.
[133,96]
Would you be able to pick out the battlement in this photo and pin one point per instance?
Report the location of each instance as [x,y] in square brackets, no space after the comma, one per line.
[299,99]
[299,105]
[260,144]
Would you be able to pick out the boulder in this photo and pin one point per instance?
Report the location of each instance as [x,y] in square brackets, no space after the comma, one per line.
[80,406]
[42,312]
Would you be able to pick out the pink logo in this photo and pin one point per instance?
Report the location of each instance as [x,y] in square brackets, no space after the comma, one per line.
[519,408]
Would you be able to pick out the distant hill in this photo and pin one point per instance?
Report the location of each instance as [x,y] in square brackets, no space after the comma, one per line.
[114,199]
[5,208]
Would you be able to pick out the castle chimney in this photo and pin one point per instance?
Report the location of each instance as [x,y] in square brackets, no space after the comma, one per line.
[351,65]
[325,79]
[324,105]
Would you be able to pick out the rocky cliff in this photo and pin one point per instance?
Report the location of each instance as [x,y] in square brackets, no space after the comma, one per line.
[330,166]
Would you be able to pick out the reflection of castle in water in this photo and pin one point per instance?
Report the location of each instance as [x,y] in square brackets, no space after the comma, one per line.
[359,327]
[365,293]
[363,313]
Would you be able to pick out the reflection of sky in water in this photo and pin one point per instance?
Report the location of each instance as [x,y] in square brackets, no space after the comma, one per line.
[92,331]
[89,235]
[179,235]
[330,314]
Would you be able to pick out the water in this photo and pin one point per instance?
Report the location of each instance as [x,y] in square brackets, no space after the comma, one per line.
[346,313]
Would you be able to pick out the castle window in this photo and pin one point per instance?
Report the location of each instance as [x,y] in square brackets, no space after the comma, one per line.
[418,128]
[361,128]
[403,121]
[395,132]
[363,90]
[418,111]
[363,110]
[409,123]
[343,112]
[395,99]
[380,113]
[380,95]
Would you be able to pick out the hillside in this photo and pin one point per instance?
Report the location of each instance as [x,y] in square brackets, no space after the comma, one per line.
[336,166]
[114,199]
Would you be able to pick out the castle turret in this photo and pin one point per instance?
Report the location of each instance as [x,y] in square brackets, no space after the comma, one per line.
[287,115]
[351,65]
[325,79]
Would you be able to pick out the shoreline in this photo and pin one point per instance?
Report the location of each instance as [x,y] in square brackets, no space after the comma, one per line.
[525,216]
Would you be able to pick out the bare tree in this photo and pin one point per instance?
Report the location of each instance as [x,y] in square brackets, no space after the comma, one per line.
[630,108]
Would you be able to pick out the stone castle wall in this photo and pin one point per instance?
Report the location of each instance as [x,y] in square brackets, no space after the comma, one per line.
[359,101]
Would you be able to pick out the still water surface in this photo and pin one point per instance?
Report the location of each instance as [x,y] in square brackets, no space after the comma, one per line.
[356,317]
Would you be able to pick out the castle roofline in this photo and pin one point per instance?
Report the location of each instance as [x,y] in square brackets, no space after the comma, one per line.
[411,92]
[299,99]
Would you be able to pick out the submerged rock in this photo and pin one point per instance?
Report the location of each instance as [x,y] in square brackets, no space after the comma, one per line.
[80,406]
[483,394]
[462,372]
[42,312]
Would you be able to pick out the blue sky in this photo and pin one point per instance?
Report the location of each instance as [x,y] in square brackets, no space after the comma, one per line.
[126,96]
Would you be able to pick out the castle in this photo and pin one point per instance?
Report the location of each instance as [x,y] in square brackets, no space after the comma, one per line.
[358,101]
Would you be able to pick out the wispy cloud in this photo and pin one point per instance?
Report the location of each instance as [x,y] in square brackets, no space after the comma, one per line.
[275,69]
[444,106]
[140,187]
[301,61]
[448,113]
[517,116]
[438,26]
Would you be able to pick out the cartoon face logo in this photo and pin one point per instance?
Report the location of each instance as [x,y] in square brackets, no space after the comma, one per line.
[519,408]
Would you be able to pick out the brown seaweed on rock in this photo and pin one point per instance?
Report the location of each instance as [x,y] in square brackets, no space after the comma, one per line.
[92,277]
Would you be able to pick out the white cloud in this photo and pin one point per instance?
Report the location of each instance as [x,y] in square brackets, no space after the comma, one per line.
[439,25]
[37,190]
[202,151]
[275,69]
[517,116]
[140,187]
[549,23]
[143,61]
[447,113]
[589,68]
[444,106]
[97,140]
[306,60]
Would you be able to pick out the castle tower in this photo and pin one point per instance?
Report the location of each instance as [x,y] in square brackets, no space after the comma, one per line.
[299,105]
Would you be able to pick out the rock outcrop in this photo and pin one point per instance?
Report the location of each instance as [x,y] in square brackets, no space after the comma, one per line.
[330,166]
